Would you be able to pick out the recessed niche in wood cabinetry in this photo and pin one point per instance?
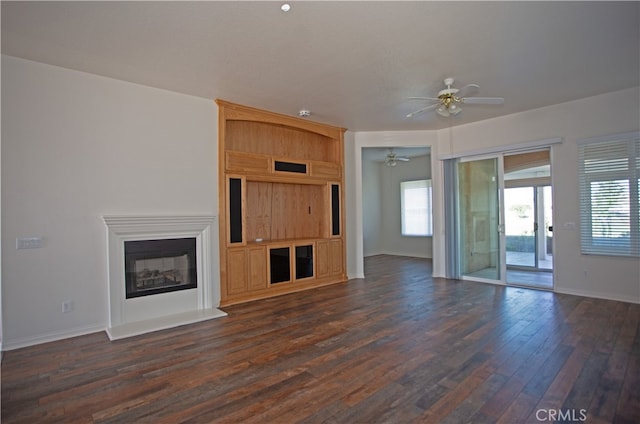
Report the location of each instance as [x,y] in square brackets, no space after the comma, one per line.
[280,265]
[277,140]
[283,211]
[304,261]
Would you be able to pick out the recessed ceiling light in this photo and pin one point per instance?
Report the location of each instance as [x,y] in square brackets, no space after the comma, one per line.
[285,7]
[304,113]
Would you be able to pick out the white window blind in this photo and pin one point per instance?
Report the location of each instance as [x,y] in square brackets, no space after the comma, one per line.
[609,202]
[416,209]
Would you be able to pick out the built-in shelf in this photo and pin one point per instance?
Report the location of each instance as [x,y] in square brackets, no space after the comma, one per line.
[282,226]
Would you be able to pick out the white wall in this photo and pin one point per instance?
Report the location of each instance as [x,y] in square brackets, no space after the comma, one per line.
[371,208]
[353,221]
[612,113]
[381,208]
[76,146]
[1,238]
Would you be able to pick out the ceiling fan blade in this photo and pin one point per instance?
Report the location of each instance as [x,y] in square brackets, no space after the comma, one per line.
[483,100]
[467,90]
[424,109]
[431,99]
[402,159]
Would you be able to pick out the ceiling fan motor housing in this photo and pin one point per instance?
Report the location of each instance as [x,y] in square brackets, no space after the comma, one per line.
[447,92]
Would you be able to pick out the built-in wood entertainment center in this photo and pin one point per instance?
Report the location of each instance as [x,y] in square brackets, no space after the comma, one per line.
[281,197]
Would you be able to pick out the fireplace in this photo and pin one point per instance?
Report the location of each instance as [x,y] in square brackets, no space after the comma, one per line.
[175,258]
[159,266]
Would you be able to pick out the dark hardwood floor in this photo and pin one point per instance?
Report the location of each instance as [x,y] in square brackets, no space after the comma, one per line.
[395,347]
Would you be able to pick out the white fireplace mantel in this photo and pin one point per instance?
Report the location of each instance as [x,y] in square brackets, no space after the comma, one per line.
[128,317]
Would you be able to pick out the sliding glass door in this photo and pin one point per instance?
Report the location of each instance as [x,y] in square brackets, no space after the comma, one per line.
[479,217]
[501,231]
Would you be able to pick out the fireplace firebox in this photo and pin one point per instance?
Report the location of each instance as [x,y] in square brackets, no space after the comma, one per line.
[160,266]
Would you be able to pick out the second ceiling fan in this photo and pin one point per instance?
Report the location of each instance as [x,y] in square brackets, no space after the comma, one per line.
[449,100]
[393,159]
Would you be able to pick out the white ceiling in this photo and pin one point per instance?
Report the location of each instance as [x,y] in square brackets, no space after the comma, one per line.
[353,64]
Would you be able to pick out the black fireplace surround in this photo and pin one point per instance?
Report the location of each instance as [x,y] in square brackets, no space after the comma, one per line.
[159,266]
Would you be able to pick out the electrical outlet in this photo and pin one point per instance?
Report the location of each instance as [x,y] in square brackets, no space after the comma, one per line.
[67,306]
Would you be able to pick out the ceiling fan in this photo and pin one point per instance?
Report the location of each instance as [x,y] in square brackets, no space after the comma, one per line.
[393,159]
[448,101]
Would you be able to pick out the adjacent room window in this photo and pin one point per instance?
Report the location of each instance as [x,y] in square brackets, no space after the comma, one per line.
[609,203]
[415,204]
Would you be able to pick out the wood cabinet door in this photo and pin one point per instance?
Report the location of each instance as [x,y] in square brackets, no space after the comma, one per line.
[335,255]
[257,268]
[329,257]
[322,258]
[236,271]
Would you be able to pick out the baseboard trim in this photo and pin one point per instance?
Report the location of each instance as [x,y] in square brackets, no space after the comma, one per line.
[596,295]
[408,255]
[51,337]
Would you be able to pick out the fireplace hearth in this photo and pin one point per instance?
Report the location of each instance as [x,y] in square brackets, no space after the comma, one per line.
[160,266]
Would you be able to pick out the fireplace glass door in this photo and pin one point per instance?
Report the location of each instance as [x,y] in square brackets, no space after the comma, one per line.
[159,266]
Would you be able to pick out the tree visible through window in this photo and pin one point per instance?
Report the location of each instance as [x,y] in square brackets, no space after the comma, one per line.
[610,210]
[416,209]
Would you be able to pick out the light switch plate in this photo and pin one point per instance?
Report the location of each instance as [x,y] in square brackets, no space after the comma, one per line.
[28,242]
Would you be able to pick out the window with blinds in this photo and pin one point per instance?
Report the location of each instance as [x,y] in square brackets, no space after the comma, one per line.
[609,180]
[415,207]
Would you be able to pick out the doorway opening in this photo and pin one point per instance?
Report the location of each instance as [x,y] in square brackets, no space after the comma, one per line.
[392,197]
